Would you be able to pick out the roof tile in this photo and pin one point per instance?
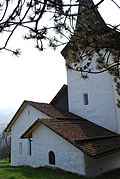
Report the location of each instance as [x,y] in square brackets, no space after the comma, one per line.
[92,139]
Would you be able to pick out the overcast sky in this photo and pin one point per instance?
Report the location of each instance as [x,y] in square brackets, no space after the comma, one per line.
[35,75]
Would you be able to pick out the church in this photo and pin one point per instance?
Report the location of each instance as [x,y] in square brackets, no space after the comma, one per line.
[78,131]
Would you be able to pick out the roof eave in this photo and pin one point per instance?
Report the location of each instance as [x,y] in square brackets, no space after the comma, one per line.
[21,108]
[29,131]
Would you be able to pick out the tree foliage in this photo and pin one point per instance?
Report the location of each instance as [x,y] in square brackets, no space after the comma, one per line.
[5,145]
[57,22]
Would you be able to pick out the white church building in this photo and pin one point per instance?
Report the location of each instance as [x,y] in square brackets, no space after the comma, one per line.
[78,131]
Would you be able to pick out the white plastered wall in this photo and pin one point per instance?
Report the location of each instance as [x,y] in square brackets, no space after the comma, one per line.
[116,97]
[67,156]
[101,108]
[27,117]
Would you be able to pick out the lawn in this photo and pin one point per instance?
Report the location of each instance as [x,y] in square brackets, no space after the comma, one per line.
[4,163]
[45,173]
[31,173]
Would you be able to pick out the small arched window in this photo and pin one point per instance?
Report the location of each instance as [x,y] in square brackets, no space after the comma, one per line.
[51,158]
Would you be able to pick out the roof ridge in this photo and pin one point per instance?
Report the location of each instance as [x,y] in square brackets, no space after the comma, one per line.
[70,118]
[36,102]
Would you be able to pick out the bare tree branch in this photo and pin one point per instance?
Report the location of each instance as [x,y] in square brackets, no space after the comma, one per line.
[115,3]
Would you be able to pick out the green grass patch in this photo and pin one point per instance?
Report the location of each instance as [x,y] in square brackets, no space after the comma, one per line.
[36,173]
[47,173]
[4,163]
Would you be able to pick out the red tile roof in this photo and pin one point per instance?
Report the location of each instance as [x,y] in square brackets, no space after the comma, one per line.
[47,109]
[101,146]
[62,91]
[61,99]
[92,139]
[50,110]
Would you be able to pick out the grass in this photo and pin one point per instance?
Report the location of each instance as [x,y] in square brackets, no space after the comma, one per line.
[46,173]
[38,173]
[33,173]
[4,163]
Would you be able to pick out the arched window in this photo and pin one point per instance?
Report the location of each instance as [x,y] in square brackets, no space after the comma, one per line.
[51,158]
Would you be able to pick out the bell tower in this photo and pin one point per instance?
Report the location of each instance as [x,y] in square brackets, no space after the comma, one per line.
[93,98]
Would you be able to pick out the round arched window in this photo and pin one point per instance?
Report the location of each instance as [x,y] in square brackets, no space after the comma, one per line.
[51,158]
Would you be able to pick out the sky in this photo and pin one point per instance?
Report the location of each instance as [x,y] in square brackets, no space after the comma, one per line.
[35,75]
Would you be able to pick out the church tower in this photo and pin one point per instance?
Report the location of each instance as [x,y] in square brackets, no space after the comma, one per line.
[93,98]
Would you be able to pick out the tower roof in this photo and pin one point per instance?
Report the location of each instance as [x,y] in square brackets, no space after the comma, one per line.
[110,35]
